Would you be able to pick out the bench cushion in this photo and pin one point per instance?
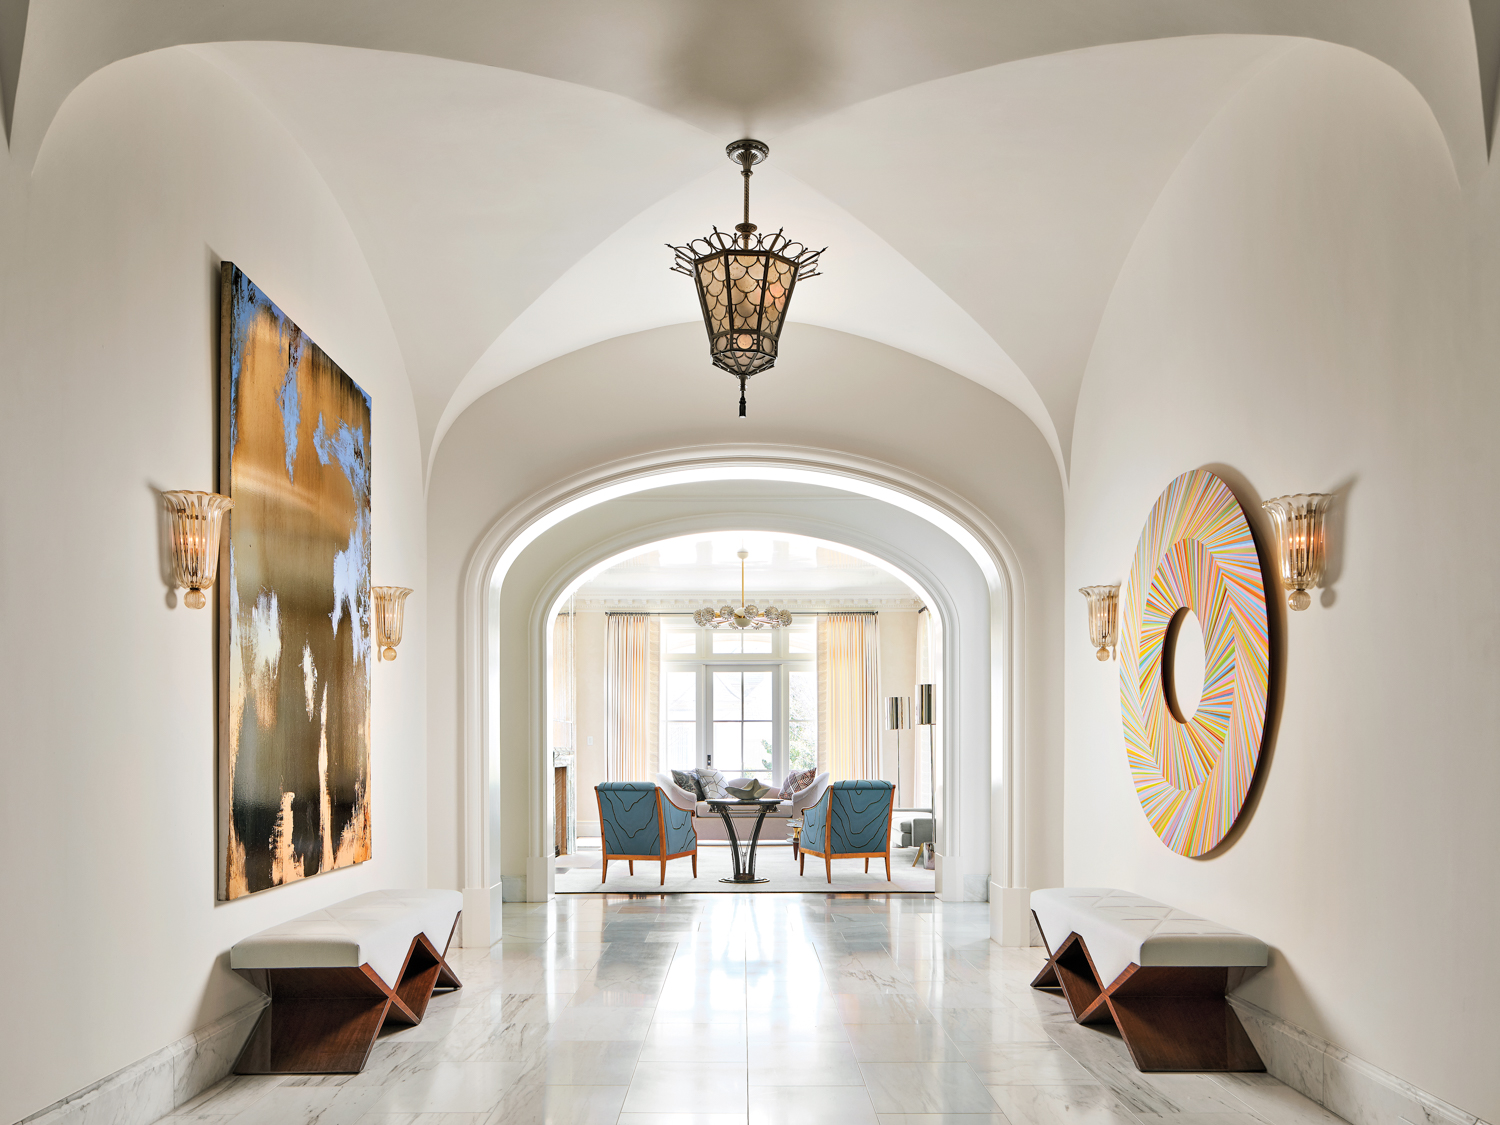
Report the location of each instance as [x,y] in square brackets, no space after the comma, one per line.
[1120,928]
[375,928]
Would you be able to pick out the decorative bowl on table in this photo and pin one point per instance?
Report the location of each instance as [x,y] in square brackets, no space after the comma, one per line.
[755,791]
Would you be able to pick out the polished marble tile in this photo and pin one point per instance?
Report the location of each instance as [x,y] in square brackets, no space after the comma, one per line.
[926,1087]
[686,1090]
[558,1105]
[763,1009]
[693,1043]
[811,1105]
[1061,1105]
[1028,1064]
[879,1042]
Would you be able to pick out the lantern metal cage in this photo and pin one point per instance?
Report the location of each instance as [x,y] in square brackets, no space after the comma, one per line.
[745,282]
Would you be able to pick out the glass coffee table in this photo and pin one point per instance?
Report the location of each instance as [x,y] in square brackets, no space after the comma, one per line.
[744,872]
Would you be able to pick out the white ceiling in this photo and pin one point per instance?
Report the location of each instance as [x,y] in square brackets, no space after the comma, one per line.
[979,171]
[705,568]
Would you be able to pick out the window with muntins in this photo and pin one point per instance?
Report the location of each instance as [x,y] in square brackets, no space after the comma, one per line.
[742,701]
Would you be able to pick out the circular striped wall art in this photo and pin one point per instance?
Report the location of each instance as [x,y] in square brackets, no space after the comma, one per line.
[1196,553]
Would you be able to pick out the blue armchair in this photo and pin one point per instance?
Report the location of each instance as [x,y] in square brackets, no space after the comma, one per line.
[637,819]
[852,820]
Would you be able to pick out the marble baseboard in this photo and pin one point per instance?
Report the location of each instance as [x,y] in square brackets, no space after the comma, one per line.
[1341,1083]
[977,888]
[157,1084]
[512,888]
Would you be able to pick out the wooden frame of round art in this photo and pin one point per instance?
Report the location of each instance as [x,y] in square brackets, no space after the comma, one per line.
[1196,552]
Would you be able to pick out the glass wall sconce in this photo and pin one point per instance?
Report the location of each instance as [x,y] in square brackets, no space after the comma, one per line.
[390,610]
[1300,542]
[196,521]
[1104,617]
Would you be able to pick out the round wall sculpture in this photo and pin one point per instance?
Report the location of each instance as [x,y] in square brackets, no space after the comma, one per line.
[1196,552]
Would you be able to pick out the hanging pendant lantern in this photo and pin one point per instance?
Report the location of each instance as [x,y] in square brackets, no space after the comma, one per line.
[745,282]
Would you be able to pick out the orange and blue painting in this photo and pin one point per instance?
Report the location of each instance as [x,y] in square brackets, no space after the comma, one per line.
[294,615]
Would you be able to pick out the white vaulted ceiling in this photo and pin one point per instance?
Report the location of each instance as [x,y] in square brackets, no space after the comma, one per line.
[978,171]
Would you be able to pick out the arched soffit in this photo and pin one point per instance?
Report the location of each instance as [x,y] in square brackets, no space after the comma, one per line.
[1395,154]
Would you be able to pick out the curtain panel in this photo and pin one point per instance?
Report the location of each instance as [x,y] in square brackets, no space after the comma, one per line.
[564,691]
[633,641]
[848,696]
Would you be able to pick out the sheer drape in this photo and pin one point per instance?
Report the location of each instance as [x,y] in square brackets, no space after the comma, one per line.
[848,696]
[564,693]
[633,641]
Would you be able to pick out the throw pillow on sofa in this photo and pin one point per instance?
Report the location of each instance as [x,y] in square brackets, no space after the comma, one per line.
[796,781]
[685,780]
[711,782]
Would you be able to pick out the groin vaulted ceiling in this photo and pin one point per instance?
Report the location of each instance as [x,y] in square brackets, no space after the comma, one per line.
[979,170]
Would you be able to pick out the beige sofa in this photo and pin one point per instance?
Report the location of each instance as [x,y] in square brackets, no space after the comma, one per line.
[710,825]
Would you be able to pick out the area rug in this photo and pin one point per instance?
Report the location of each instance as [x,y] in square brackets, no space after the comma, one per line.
[579,874]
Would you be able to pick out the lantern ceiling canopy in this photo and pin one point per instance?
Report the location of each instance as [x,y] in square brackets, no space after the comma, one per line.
[745,282]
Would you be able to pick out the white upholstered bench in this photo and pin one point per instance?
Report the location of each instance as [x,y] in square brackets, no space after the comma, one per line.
[336,976]
[1158,973]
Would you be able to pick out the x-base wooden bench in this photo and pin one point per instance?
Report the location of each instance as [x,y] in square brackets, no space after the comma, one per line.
[336,976]
[1167,974]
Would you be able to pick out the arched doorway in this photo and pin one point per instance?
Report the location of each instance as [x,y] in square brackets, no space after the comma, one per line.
[531,556]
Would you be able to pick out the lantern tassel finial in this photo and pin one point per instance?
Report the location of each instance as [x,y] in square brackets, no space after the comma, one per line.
[742,394]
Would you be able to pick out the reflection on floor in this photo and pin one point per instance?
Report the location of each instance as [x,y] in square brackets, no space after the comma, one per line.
[579,873]
[750,1010]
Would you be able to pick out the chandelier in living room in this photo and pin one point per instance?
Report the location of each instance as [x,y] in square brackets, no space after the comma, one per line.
[745,616]
[745,282]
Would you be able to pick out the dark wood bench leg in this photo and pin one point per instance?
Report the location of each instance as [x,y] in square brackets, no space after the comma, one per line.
[325,1021]
[1072,970]
[1178,1019]
[320,1021]
[1171,1018]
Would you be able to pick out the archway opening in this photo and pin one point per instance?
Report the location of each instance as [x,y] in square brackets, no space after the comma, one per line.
[822,689]
[535,551]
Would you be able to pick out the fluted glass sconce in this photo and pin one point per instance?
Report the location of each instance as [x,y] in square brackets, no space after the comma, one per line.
[1104,617]
[1300,542]
[390,609]
[898,712]
[196,521]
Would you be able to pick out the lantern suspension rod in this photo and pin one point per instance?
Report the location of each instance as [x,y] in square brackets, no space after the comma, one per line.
[746,157]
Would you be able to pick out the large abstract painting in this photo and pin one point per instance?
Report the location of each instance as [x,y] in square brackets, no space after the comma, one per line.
[1196,553]
[295,644]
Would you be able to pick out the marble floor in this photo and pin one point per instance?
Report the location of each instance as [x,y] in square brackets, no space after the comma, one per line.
[749,1010]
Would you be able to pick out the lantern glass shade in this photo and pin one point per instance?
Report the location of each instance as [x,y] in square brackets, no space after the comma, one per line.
[390,603]
[744,293]
[898,712]
[197,519]
[1298,521]
[1104,617]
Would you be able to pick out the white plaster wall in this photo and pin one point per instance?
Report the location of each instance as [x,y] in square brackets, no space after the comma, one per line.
[1294,314]
[656,390]
[156,169]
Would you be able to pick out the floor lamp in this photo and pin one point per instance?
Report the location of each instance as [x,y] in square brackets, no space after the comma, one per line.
[898,719]
[927,717]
